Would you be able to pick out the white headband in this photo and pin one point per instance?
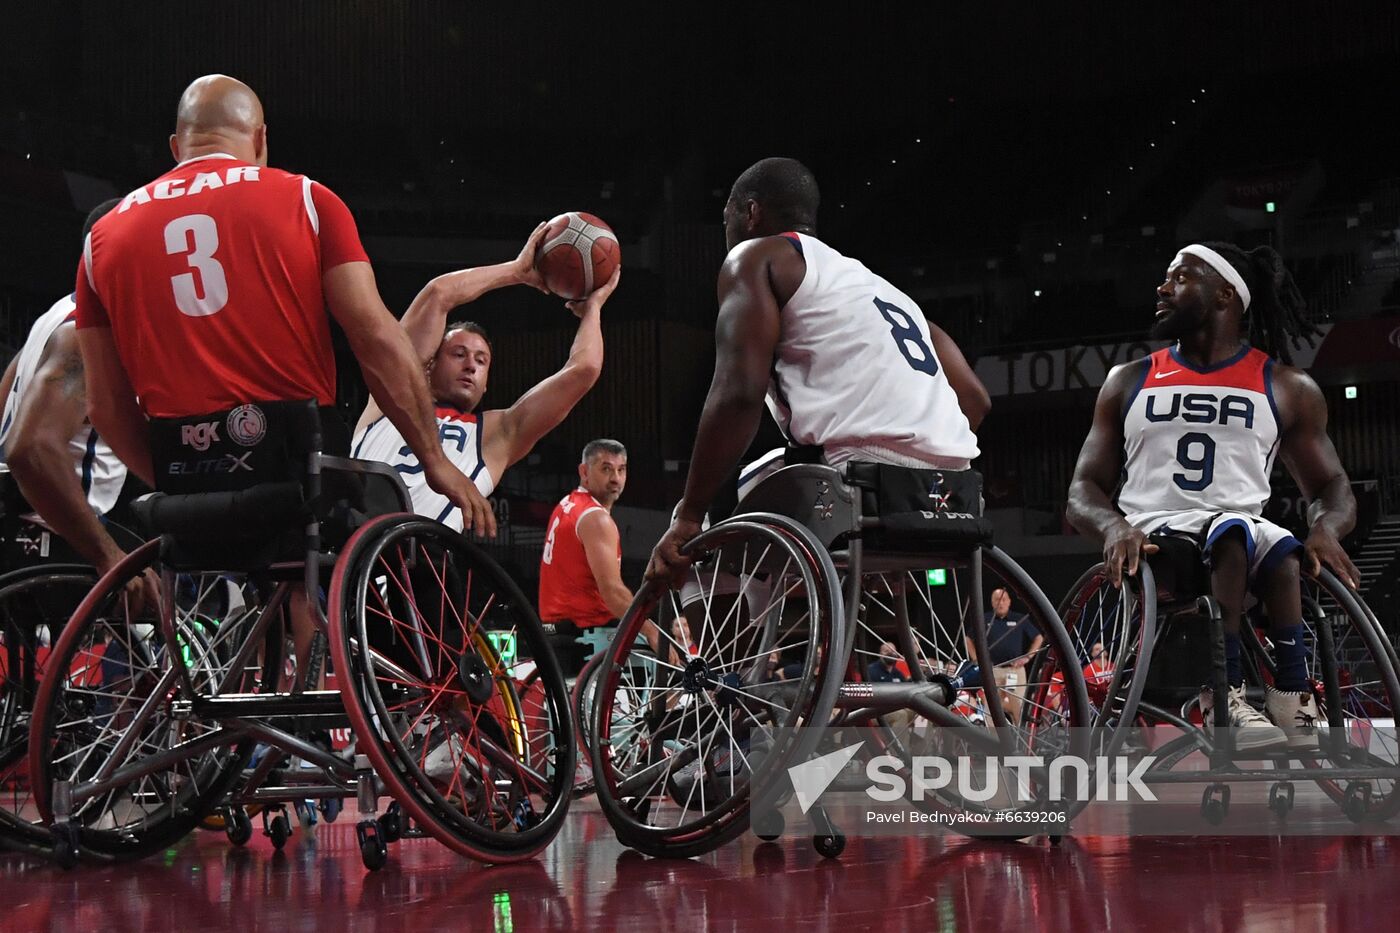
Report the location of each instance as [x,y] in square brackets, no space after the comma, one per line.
[1220,264]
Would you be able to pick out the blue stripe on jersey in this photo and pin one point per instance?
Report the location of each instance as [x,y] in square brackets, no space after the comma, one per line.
[1223,364]
[1269,392]
[796,242]
[442,516]
[88,459]
[365,436]
[480,461]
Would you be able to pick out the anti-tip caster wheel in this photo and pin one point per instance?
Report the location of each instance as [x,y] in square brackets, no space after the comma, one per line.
[830,845]
[238,826]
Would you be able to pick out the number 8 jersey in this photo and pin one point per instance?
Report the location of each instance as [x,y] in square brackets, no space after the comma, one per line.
[1200,439]
[855,371]
[210,278]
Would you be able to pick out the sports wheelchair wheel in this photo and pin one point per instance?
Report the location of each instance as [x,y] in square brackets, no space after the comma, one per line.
[924,613]
[636,682]
[413,606]
[35,603]
[113,717]
[1113,631]
[1360,703]
[676,760]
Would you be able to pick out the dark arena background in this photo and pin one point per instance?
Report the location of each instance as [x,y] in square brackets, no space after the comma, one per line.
[1025,174]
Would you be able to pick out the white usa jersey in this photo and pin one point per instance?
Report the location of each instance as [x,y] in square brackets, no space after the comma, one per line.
[1200,438]
[460,436]
[856,373]
[98,469]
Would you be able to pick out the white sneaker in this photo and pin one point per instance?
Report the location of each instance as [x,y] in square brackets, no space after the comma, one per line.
[1296,714]
[1252,729]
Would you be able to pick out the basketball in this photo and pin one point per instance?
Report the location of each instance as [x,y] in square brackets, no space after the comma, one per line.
[578,254]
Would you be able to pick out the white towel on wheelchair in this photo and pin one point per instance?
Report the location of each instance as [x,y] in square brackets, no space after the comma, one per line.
[1265,543]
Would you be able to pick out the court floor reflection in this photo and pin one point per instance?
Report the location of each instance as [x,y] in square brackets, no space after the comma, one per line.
[586,880]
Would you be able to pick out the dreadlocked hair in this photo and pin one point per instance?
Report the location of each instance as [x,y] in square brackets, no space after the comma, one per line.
[1277,314]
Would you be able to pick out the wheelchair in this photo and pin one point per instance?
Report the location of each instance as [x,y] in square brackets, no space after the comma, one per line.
[42,579]
[817,567]
[1150,646]
[154,718]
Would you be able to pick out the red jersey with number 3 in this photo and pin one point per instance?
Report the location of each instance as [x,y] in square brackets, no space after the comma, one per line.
[210,279]
[568,591]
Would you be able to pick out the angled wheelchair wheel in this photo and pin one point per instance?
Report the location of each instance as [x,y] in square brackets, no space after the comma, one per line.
[681,742]
[1358,703]
[35,603]
[1040,690]
[417,612]
[1113,631]
[640,679]
[114,716]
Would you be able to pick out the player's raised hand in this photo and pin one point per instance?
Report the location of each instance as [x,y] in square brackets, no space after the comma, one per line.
[1323,549]
[445,479]
[526,273]
[597,298]
[1123,549]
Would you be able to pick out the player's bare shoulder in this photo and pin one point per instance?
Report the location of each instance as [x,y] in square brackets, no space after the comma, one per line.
[771,257]
[1297,396]
[1123,380]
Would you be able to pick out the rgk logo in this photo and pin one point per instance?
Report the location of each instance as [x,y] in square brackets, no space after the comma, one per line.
[199,436]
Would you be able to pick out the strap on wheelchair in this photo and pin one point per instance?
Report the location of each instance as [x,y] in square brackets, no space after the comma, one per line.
[911,506]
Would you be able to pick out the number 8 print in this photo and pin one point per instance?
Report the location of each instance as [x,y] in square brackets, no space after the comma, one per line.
[908,338]
[195,237]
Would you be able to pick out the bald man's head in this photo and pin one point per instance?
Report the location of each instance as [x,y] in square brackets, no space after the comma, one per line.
[219,114]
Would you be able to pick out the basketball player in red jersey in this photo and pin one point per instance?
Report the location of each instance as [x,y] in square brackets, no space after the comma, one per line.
[581,568]
[1183,443]
[208,288]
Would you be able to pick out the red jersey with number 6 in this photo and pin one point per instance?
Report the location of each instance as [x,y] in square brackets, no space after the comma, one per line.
[568,590]
[210,279]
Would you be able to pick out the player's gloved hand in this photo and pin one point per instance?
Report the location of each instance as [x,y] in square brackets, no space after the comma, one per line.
[523,266]
[1323,548]
[667,563]
[1123,548]
[597,297]
[445,479]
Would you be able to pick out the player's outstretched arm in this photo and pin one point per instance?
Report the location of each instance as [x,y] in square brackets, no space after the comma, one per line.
[512,433]
[973,398]
[1091,509]
[426,317]
[395,377]
[746,337]
[1308,453]
[111,403]
[52,411]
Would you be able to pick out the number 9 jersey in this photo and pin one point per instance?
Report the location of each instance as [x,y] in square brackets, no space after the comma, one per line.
[855,371]
[1200,439]
[210,278]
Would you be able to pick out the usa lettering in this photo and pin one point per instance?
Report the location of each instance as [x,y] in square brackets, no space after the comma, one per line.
[1200,408]
[172,188]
